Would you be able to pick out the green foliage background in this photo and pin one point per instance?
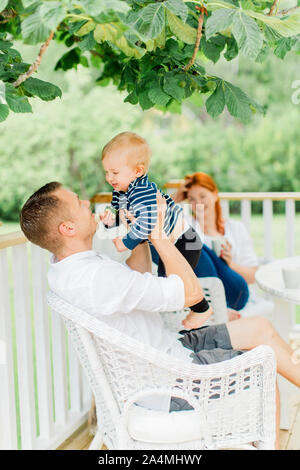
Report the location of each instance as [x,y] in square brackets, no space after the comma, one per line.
[62,140]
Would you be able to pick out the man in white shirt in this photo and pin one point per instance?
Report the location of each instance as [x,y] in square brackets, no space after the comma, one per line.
[130,297]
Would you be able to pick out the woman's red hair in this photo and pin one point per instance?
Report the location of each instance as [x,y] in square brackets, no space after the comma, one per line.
[206,181]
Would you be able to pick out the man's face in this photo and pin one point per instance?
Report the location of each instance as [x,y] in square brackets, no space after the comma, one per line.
[79,213]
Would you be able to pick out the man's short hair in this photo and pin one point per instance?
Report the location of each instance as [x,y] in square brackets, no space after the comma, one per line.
[41,216]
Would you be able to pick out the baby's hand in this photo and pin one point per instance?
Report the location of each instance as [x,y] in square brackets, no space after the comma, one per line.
[195,320]
[119,244]
[108,218]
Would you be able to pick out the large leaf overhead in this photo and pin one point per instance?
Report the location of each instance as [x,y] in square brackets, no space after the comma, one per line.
[154,51]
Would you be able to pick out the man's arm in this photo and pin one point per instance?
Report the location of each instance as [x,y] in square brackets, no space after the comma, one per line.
[140,258]
[174,261]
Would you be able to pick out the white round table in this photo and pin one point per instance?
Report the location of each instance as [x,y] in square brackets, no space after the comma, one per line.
[269,278]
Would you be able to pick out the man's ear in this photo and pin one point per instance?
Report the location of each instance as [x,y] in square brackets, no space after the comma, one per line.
[67,229]
[140,170]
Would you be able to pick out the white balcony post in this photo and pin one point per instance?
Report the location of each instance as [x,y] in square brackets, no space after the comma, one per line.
[24,346]
[268,215]
[42,336]
[8,423]
[290,226]
[246,213]
[225,208]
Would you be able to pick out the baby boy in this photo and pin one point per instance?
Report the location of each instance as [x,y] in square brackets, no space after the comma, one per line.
[126,160]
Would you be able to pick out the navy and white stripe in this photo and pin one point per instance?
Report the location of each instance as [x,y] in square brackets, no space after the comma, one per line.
[140,200]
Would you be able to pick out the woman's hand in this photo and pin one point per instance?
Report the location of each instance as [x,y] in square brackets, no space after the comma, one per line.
[181,193]
[226,252]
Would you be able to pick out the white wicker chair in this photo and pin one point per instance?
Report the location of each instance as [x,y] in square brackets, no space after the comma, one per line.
[234,401]
[214,293]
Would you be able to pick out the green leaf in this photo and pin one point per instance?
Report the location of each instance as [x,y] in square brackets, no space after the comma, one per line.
[28,3]
[113,33]
[69,60]
[4,112]
[183,31]
[284,45]
[287,26]
[218,21]
[216,102]
[86,28]
[232,49]
[144,100]
[2,92]
[178,8]
[17,103]
[3,4]
[51,14]
[44,90]
[33,30]
[173,88]
[106,32]
[132,98]
[95,7]
[238,103]
[153,17]
[158,96]
[247,35]
[87,43]
[213,48]
[217,4]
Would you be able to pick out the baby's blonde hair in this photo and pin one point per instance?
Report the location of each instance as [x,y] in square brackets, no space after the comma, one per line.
[138,150]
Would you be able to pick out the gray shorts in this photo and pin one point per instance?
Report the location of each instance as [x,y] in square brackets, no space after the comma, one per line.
[209,344]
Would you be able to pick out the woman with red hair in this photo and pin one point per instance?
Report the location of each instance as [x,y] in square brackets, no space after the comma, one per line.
[236,262]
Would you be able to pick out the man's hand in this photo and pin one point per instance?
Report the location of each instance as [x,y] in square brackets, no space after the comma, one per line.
[158,232]
[195,320]
[119,244]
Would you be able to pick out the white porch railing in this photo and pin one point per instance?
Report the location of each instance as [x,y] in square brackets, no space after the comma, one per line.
[245,199]
[44,394]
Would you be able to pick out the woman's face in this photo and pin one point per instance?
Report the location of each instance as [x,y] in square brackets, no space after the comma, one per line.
[201,199]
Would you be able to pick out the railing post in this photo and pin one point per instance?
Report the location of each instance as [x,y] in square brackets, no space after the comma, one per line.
[225,208]
[8,423]
[268,215]
[41,323]
[24,346]
[246,213]
[290,226]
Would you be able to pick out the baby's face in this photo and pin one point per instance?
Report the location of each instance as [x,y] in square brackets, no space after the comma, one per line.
[118,173]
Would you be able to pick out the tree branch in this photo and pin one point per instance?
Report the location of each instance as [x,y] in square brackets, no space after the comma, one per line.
[288,10]
[35,64]
[273,7]
[198,39]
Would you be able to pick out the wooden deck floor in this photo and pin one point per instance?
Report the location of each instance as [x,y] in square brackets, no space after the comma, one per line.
[289,440]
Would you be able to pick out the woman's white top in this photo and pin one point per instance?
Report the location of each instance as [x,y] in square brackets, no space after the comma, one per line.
[238,236]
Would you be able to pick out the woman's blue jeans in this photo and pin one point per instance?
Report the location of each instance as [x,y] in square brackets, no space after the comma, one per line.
[210,265]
